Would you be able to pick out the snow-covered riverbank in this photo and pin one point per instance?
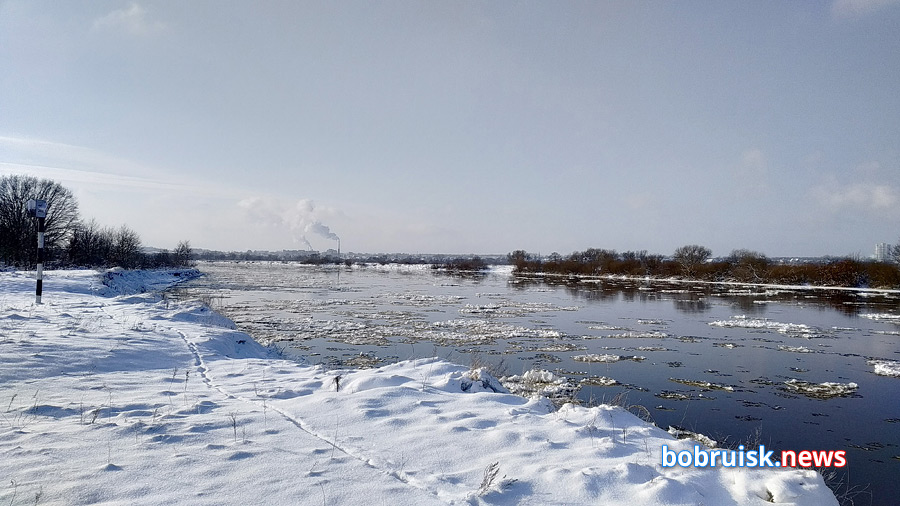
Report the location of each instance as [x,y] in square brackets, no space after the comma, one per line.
[109,395]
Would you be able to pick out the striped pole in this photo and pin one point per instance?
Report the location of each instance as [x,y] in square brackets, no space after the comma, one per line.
[40,262]
[38,209]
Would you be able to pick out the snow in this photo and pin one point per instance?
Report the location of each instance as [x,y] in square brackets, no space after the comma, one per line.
[882,317]
[788,329]
[595,357]
[111,394]
[540,383]
[606,358]
[795,349]
[639,335]
[825,390]
[886,367]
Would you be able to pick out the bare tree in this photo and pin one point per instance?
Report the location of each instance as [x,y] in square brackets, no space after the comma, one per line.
[18,232]
[183,255]
[127,248]
[690,257]
[522,260]
[91,245]
[747,265]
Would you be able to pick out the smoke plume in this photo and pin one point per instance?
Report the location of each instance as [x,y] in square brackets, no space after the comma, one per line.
[322,230]
[302,219]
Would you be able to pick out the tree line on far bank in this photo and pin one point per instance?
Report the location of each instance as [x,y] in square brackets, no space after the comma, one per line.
[68,240]
[695,262]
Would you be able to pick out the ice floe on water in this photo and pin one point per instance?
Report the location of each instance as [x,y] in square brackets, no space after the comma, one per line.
[329,302]
[379,327]
[651,348]
[605,358]
[480,309]
[604,326]
[681,396]
[421,299]
[537,382]
[512,309]
[795,349]
[788,329]
[825,390]
[550,348]
[652,321]
[468,329]
[886,367]
[594,357]
[598,381]
[344,331]
[883,317]
[703,384]
[681,433]
[640,335]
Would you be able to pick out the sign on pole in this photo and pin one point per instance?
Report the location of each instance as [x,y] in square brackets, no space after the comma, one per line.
[37,208]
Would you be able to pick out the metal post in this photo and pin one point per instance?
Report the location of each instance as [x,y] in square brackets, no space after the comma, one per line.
[40,262]
[38,209]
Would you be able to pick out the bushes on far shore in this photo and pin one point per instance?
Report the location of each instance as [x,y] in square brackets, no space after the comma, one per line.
[463,264]
[693,262]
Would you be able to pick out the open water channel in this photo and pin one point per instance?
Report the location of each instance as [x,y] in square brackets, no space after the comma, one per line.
[791,369]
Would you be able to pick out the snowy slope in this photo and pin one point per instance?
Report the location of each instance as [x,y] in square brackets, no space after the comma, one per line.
[133,399]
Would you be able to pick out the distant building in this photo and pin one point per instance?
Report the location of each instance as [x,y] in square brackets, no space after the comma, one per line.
[882,252]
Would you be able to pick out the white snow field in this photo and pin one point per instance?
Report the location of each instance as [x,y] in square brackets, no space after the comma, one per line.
[113,396]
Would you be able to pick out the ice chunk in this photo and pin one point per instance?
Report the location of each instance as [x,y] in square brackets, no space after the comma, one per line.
[788,329]
[886,367]
[795,349]
[825,390]
[703,384]
[540,382]
[883,317]
[640,335]
[605,358]
[681,433]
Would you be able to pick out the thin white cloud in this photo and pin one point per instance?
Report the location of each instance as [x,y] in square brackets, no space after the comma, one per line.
[31,151]
[90,177]
[867,197]
[845,9]
[68,163]
[132,20]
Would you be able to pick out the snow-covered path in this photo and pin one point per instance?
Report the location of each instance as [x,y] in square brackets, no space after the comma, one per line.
[112,398]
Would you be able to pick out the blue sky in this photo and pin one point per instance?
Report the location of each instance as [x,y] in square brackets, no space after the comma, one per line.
[464,127]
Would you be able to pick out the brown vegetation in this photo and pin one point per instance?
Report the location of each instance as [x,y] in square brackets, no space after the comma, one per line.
[693,262]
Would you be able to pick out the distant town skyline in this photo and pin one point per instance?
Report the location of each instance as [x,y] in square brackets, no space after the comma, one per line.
[465,127]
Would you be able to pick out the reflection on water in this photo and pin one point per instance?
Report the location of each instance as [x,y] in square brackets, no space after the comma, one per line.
[737,363]
[693,298]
